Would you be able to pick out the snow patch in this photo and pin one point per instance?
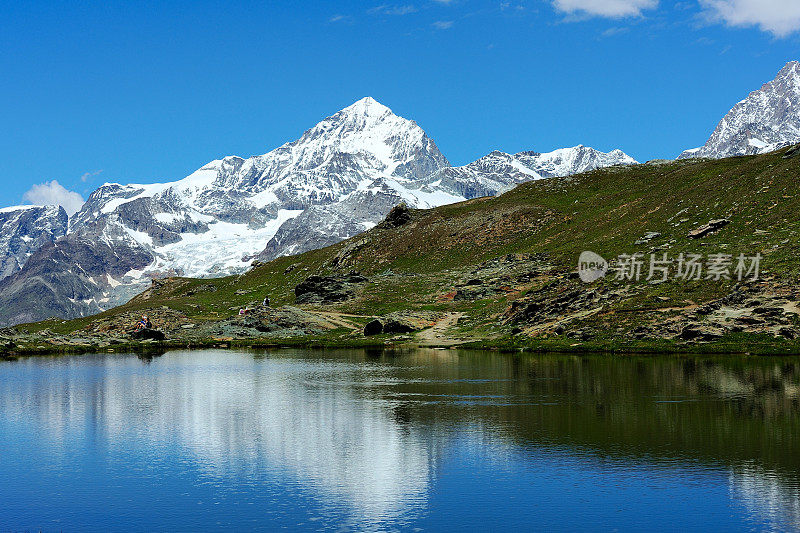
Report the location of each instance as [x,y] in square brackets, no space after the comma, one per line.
[112,282]
[139,236]
[167,218]
[14,208]
[220,250]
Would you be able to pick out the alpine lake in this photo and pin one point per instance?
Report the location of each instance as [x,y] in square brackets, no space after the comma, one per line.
[413,440]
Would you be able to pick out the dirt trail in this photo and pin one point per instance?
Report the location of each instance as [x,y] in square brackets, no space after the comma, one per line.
[337,319]
[437,334]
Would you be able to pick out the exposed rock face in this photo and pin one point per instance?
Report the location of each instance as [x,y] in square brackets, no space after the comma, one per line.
[398,323]
[325,289]
[647,237]
[766,120]
[25,229]
[792,153]
[399,215]
[320,226]
[263,322]
[397,326]
[71,277]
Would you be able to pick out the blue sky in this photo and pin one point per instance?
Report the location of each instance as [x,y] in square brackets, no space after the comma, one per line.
[150,91]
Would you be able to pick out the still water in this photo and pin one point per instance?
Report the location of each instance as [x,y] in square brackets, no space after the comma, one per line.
[422,440]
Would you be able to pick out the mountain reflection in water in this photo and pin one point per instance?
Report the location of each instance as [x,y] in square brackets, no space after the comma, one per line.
[369,441]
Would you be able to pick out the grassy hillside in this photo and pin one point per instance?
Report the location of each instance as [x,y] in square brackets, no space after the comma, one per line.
[503,264]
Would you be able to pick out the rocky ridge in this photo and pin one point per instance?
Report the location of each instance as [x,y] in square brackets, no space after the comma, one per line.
[768,119]
[24,230]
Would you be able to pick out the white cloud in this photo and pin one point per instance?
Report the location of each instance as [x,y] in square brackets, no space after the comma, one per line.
[386,9]
[89,175]
[605,8]
[610,32]
[53,193]
[506,6]
[779,17]
[341,19]
[443,24]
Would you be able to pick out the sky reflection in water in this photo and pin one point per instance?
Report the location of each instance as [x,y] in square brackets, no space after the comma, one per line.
[435,440]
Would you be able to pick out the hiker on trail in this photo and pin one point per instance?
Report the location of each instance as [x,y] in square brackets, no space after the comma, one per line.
[143,323]
[265,303]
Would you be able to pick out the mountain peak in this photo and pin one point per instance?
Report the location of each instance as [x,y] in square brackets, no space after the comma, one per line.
[787,79]
[790,67]
[367,106]
[768,119]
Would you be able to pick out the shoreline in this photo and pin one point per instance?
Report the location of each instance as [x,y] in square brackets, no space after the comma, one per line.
[504,345]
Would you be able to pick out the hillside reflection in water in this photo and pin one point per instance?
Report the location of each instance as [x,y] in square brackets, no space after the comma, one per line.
[428,439]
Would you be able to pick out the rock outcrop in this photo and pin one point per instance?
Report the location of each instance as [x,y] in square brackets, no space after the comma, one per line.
[326,289]
[707,229]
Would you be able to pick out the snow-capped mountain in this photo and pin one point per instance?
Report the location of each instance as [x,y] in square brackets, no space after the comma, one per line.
[498,171]
[211,222]
[492,174]
[766,120]
[338,179]
[24,229]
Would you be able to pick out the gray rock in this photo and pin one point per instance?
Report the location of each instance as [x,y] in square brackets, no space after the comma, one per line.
[696,332]
[397,326]
[706,229]
[326,289]
[148,334]
[398,216]
[373,327]
[498,172]
[647,237]
[792,152]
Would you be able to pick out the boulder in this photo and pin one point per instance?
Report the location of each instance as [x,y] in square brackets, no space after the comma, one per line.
[711,227]
[580,335]
[641,332]
[696,332]
[375,327]
[148,334]
[396,326]
[768,311]
[788,332]
[748,321]
[792,152]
